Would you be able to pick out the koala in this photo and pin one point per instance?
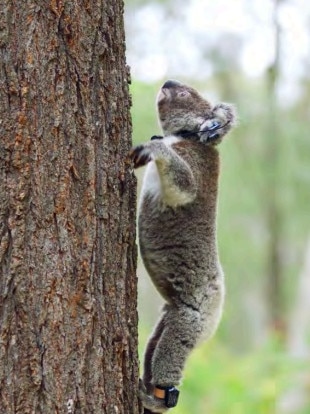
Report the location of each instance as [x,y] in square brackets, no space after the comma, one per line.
[177,233]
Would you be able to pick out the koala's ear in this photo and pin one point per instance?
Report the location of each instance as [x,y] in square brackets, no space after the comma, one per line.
[225,113]
[221,121]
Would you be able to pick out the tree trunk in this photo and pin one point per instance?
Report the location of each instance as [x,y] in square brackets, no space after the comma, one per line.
[68,321]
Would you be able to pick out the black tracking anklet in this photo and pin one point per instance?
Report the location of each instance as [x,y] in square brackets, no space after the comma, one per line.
[169,394]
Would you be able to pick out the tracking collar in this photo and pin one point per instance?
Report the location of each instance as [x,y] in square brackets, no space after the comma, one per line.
[183,133]
[210,132]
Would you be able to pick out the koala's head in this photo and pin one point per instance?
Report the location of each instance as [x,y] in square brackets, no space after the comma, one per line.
[182,111]
[181,108]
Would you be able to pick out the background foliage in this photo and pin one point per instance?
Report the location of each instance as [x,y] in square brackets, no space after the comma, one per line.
[259,360]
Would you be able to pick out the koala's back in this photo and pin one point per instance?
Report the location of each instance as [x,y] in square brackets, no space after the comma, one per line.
[178,245]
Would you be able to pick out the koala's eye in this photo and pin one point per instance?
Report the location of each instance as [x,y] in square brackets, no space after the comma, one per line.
[183,94]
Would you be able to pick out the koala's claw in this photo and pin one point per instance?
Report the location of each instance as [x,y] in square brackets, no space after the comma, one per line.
[140,156]
[155,405]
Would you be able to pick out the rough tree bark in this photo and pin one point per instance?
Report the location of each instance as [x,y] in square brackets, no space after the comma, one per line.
[68,321]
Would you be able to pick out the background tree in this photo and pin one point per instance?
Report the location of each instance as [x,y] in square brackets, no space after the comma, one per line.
[68,321]
[275,282]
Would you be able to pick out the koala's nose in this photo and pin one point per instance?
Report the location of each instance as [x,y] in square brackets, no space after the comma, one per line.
[171,83]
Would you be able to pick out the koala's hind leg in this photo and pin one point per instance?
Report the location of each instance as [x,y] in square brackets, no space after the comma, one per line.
[148,355]
[182,330]
[174,337]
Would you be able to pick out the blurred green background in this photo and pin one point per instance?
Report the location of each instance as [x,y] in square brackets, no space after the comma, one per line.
[256,55]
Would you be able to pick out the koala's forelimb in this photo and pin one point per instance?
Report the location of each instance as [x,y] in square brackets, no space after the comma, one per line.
[177,183]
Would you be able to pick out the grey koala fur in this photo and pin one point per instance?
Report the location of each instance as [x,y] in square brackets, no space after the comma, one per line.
[177,231]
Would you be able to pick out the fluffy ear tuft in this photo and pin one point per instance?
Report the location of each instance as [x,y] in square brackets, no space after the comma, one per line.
[225,112]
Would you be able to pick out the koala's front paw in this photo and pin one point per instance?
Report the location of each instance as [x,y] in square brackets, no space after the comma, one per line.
[155,405]
[140,155]
[210,130]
